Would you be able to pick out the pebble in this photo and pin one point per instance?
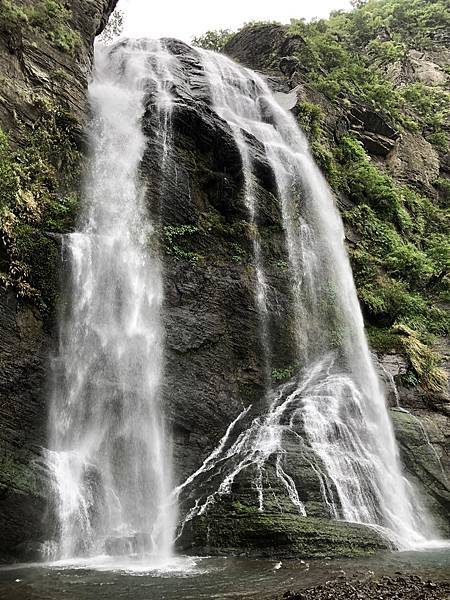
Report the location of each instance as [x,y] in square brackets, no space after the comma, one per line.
[397,587]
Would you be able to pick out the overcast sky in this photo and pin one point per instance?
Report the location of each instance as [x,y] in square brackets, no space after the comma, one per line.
[184,19]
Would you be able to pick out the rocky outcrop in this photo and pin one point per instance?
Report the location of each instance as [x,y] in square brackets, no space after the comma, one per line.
[36,74]
[423,439]
[418,66]
[251,533]
[415,161]
[377,135]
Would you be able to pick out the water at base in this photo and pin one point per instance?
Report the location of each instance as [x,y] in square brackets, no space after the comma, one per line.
[337,409]
[109,451]
[207,578]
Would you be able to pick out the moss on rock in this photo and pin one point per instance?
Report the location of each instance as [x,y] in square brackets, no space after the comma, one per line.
[252,533]
[37,199]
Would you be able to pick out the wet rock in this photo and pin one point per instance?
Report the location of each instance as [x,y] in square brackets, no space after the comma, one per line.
[277,535]
[138,543]
[423,442]
[23,482]
[390,367]
[119,546]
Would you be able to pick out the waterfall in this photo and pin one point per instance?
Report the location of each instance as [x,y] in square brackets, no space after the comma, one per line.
[109,448]
[109,451]
[233,104]
[337,407]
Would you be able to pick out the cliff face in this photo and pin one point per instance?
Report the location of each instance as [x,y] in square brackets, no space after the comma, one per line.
[214,361]
[45,60]
[395,155]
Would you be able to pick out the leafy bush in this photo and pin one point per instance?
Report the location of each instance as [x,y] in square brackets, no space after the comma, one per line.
[213,40]
[173,238]
[8,177]
[11,15]
[310,117]
[280,375]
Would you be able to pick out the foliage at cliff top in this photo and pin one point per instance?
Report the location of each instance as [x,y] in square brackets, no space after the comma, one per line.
[395,24]
[113,29]
[213,40]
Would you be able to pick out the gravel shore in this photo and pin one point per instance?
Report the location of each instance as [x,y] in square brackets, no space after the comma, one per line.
[399,587]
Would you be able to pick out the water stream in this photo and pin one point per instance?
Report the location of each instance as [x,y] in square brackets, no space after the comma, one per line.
[337,407]
[109,454]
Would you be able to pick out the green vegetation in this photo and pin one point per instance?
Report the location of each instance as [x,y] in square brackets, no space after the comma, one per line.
[174,236]
[424,361]
[216,40]
[400,261]
[36,200]
[400,255]
[213,40]
[50,17]
[280,375]
[346,57]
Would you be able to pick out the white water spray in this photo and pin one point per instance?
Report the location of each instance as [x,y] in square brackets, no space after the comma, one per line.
[110,453]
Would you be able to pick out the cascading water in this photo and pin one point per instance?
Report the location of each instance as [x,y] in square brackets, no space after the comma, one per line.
[109,449]
[337,407]
[233,103]
[110,453]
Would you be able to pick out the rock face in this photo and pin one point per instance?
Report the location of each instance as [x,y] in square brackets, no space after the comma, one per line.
[33,68]
[24,354]
[214,361]
[35,74]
